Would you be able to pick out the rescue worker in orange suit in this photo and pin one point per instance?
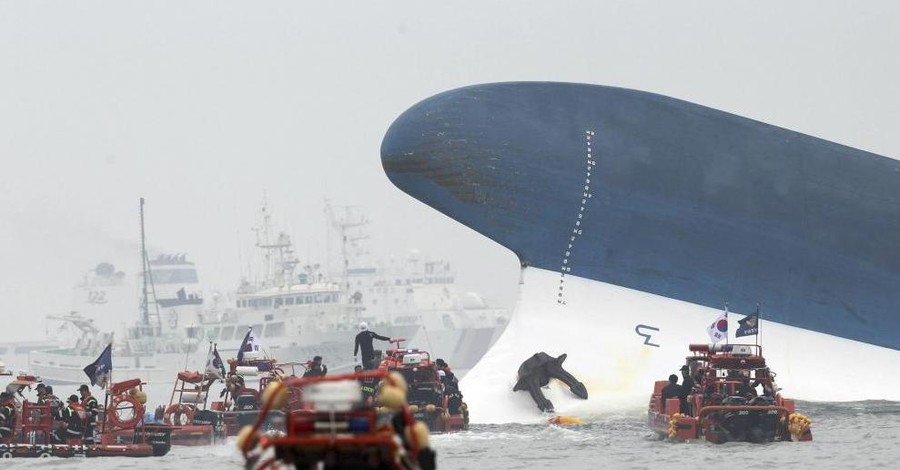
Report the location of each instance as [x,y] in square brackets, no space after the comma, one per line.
[364,345]
[92,407]
[7,416]
[73,426]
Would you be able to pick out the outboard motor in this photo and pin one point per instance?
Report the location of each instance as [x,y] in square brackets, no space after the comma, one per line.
[204,417]
[763,424]
[246,403]
[735,423]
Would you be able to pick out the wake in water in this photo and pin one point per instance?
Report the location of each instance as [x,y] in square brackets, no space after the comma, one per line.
[848,435]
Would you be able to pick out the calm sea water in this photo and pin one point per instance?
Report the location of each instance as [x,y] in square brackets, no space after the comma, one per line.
[846,435]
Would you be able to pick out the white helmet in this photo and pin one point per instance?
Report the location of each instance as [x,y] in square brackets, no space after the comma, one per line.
[363,326]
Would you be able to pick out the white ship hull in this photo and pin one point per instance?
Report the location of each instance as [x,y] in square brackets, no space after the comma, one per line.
[618,366]
[63,366]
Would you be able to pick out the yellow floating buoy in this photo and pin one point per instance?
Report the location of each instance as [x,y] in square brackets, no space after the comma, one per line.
[566,420]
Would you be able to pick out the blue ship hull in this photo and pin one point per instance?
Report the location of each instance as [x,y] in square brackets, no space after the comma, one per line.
[666,197]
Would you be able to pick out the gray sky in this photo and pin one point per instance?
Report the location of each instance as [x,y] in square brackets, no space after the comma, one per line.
[201,107]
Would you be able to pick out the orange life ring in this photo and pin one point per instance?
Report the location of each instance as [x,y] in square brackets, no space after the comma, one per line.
[113,416]
[179,414]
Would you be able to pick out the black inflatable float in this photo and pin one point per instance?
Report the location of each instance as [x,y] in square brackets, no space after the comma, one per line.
[537,371]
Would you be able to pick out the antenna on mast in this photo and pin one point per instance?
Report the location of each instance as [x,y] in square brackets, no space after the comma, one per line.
[156,329]
[279,259]
[346,236]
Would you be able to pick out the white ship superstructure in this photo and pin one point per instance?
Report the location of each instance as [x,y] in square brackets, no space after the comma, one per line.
[415,290]
[295,315]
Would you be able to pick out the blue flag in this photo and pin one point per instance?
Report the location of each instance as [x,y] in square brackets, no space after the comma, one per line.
[748,325]
[98,371]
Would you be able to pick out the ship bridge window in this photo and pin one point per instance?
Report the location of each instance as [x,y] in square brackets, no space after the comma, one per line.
[227,332]
[173,276]
[193,331]
[278,302]
[213,334]
[318,298]
[448,322]
[258,328]
[274,329]
[289,301]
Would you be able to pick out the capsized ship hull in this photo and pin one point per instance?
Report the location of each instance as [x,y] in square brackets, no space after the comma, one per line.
[605,194]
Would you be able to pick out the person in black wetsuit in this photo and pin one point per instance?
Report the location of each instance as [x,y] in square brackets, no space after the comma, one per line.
[364,346]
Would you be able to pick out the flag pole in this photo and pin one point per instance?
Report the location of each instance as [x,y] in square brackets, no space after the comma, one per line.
[109,382]
[726,323]
[758,324]
[208,354]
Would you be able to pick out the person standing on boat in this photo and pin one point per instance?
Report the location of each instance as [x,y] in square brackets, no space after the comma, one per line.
[364,345]
[687,387]
[92,407]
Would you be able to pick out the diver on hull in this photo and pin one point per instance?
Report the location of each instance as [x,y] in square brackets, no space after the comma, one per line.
[537,371]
